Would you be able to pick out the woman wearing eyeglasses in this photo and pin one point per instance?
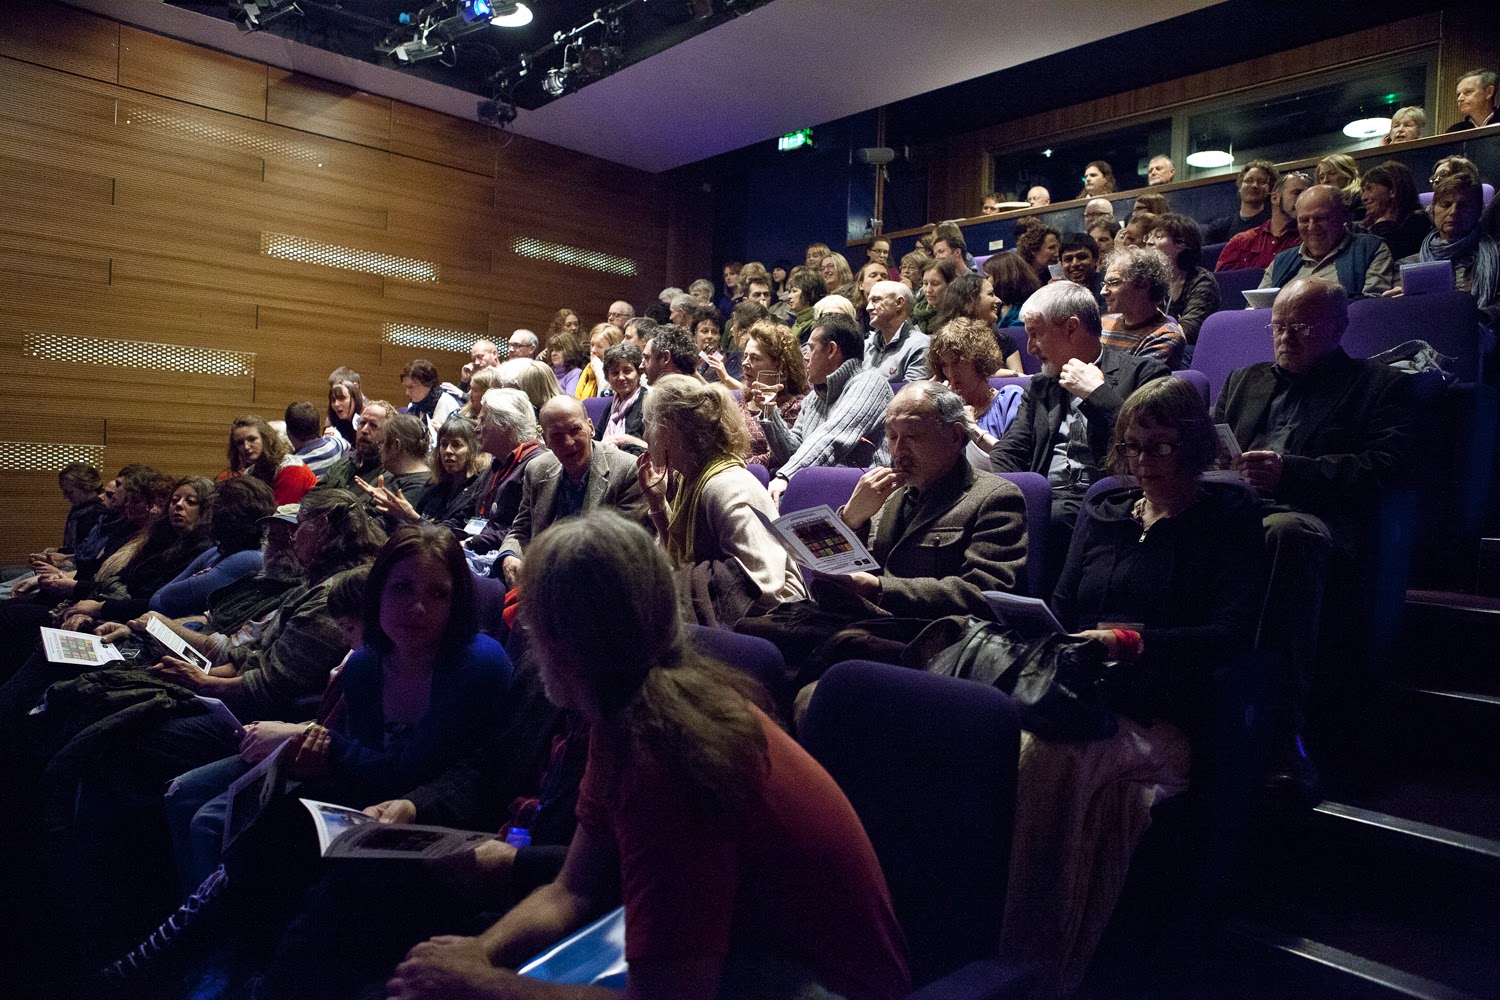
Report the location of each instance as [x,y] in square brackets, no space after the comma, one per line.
[1177,557]
[1168,574]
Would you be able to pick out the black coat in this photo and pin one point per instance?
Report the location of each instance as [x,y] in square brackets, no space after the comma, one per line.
[1029,440]
[1194,583]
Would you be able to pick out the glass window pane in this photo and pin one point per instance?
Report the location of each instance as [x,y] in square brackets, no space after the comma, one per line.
[1058,166]
[1305,123]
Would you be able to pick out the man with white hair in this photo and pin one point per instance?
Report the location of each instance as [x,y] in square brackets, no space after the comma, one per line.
[896,347]
[1067,416]
[1096,211]
[620,313]
[1160,170]
[1038,197]
[508,434]
[522,344]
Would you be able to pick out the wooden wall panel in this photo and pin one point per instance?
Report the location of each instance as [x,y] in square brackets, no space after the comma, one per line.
[326,108]
[52,35]
[429,135]
[135,211]
[190,73]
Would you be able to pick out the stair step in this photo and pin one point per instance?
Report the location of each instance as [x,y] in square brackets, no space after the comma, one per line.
[1427,833]
[1427,806]
[1385,979]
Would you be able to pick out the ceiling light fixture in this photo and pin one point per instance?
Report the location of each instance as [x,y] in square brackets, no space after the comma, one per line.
[511,15]
[1367,128]
[1210,158]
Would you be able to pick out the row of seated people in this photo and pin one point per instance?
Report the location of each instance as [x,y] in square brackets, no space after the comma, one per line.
[1475,97]
[1173,574]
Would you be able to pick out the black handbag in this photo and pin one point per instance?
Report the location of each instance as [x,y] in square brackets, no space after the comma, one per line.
[1062,684]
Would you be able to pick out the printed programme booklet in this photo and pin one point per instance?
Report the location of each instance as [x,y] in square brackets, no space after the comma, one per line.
[819,540]
[78,649]
[349,833]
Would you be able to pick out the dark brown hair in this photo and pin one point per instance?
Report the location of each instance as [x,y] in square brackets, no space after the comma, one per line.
[441,545]
[1168,402]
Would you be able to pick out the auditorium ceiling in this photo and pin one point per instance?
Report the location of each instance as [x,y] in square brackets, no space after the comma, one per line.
[703,77]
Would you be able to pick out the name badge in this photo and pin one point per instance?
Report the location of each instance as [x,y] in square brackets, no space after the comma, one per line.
[475,526]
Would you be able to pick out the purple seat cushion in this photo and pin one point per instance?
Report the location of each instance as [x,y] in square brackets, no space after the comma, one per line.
[1233,283]
[1197,378]
[1231,339]
[597,407]
[1038,495]
[819,485]
[1449,321]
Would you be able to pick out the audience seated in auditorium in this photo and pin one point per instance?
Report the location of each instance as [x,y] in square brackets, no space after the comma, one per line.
[703,504]
[1256,247]
[1406,124]
[1192,293]
[563,321]
[403,463]
[633,676]
[508,435]
[708,335]
[455,470]
[620,313]
[1098,179]
[936,277]
[814,255]
[591,381]
[1134,288]
[1137,229]
[1341,171]
[1392,210]
[638,331]
[318,451]
[758,290]
[990,204]
[729,293]
[879,252]
[1181,559]
[1459,236]
[1256,181]
[429,402]
[1080,261]
[972,296]
[81,486]
[1322,434]
[483,354]
[670,349]
[575,476]
[1103,233]
[1063,427]
[728,365]
[1476,99]
[345,404]
[483,381]
[807,288]
[842,420]
[1039,247]
[567,356]
[682,309]
[912,266]
[1038,197]
[532,377]
[1013,281]
[703,291]
[256,449]
[836,272]
[964,354]
[1160,170]
[948,244]
[896,347]
[1097,210]
[1361,263]
[522,344]
[1151,201]
[774,372]
[941,532]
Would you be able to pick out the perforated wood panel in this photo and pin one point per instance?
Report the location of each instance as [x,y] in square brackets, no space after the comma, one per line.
[186,236]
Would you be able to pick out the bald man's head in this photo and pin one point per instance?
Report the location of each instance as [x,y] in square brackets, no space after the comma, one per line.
[568,434]
[1322,219]
[1308,320]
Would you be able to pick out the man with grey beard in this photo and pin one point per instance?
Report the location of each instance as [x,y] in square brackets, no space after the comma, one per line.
[1067,416]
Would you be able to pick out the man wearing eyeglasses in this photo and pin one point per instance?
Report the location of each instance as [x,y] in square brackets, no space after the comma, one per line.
[1322,435]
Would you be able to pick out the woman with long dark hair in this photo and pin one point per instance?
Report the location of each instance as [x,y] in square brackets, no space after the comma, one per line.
[736,853]
[256,449]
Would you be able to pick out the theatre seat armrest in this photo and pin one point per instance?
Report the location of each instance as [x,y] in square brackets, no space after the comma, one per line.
[986,979]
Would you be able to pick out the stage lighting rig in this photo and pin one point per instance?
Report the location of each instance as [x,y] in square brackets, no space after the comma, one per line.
[253,15]
[433,30]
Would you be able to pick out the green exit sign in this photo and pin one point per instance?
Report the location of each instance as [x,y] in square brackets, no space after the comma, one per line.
[795,140]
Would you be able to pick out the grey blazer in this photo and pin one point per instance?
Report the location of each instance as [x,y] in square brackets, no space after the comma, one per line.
[612,483]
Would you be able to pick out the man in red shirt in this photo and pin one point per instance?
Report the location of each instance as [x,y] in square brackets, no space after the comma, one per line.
[1255,247]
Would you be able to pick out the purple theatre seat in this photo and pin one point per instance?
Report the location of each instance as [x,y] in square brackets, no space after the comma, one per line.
[1038,495]
[1211,254]
[1233,283]
[1449,321]
[755,656]
[1019,381]
[1230,339]
[819,484]
[489,602]
[1029,364]
[929,765]
[1426,196]
[760,472]
[1199,380]
[597,407]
